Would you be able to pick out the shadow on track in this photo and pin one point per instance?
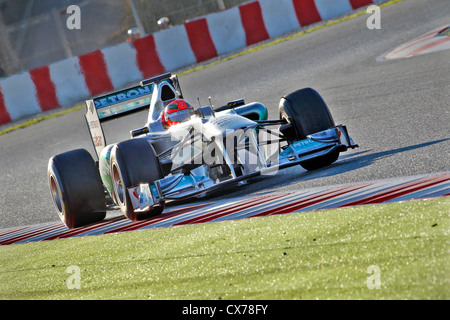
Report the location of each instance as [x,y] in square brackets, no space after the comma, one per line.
[369,159]
[285,177]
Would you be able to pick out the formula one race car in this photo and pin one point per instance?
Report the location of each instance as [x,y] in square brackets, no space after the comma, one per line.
[183,152]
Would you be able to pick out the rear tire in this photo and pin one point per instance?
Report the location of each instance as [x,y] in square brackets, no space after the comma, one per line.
[306,113]
[76,188]
[134,162]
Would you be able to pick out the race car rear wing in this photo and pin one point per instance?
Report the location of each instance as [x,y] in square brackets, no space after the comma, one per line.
[121,103]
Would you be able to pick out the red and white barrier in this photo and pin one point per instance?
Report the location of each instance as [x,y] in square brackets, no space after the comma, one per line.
[69,81]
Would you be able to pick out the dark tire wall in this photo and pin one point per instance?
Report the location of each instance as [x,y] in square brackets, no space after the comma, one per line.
[76,188]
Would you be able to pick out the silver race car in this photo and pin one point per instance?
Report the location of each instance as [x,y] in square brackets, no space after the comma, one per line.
[183,151]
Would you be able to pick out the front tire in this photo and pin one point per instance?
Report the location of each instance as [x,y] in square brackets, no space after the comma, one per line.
[134,162]
[76,188]
[306,113]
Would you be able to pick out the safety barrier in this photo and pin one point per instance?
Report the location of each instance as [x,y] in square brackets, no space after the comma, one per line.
[71,80]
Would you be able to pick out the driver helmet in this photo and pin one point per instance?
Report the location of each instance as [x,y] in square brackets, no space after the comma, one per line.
[176,111]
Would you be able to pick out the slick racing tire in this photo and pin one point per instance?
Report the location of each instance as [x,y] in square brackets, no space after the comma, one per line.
[307,113]
[76,188]
[134,162]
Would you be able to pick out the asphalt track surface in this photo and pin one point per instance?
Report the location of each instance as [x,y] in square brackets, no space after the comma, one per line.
[398,111]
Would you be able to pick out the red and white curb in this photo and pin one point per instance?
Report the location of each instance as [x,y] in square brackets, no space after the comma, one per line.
[433,41]
[383,191]
[71,80]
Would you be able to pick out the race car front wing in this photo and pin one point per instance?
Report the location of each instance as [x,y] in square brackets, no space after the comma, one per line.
[197,182]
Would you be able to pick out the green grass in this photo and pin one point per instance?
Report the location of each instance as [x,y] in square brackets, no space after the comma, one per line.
[313,255]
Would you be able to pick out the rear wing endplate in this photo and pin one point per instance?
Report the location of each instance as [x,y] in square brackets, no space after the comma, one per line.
[120,103]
